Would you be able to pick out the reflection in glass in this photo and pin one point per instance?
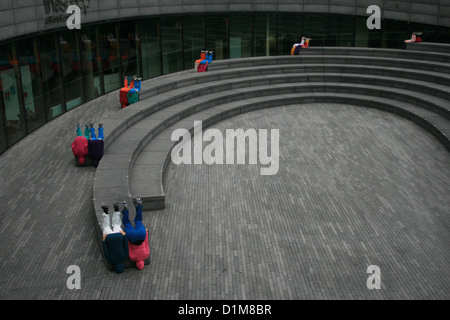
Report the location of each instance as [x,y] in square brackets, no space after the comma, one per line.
[341,31]
[52,75]
[240,36]
[72,68]
[290,31]
[32,87]
[89,65]
[11,99]
[129,47]
[172,50]
[3,142]
[216,29]
[150,40]
[264,37]
[110,57]
[193,40]
[315,26]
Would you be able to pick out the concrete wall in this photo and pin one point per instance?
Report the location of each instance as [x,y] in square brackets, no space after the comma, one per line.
[21,17]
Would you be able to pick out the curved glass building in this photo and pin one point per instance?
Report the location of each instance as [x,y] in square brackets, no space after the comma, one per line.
[47,69]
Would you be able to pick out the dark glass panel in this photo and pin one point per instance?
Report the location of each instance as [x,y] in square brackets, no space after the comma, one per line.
[12,98]
[72,68]
[52,75]
[91,68]
[32,84]
[290,31]
[172,50]
[240,36]
[129,46]
[264,33]
[150,48]
[193,40]
[110,57]
[216,30]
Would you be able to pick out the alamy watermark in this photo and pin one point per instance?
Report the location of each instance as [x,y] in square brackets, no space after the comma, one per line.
[74,280]
[374,21]
[74,21]
[374,281]
[235,140]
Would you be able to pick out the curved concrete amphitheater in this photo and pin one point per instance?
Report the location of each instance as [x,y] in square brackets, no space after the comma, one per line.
[363,180]
[411,84]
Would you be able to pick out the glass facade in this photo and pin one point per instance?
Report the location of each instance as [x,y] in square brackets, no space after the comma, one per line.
[45,75]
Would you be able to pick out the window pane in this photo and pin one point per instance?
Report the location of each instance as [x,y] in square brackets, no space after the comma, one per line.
[3,143]
[90,66]
[265,29]
[110,57]
[149,34]
[216,28]
[361,32]
[14,113]
[171,31]
[315,26]
[289,31]
[240,36]
[52,75]
[129,45]
[193,40]
[30,70]
[341,31]
[71,67]
[439,35]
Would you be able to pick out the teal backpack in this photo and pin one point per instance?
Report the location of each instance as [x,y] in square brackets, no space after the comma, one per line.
[133,96]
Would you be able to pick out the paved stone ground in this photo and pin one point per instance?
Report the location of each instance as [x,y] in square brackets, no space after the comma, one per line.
[356,187]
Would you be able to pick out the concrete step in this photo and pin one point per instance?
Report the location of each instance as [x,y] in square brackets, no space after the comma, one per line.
[429,47]
[423,55]
[183,79]
[332,59]
[146,107]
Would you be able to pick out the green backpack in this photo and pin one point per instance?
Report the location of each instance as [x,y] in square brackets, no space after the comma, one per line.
[133,96]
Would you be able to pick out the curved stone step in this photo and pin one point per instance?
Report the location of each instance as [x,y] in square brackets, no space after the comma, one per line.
[111,180]
[125,118]
[333,59]
[183,79]
[135,138]
[429,47]
[423,55]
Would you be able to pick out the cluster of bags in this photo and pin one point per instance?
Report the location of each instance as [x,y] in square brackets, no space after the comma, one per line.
[88,149]
[206,57]
[296,47]
[415,37]
[129,94]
